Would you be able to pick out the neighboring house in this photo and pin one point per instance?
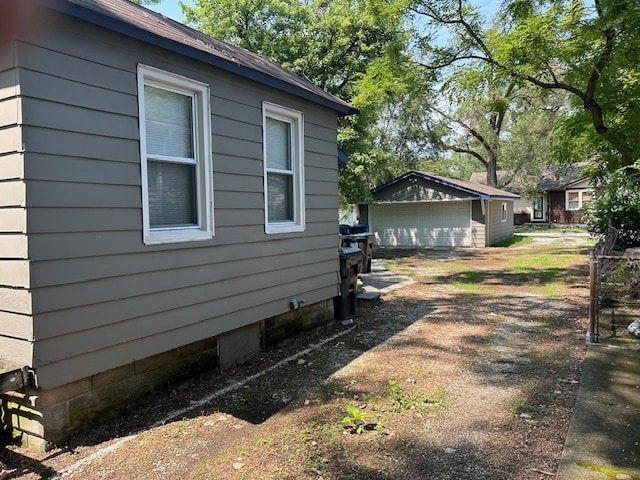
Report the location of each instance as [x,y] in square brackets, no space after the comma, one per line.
[166,202]
[561,193]
[564,204]
[424,210]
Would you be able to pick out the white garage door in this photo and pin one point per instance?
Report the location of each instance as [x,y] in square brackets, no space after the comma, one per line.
[437,224]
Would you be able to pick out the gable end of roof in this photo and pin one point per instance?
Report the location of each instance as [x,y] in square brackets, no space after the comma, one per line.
[482,191]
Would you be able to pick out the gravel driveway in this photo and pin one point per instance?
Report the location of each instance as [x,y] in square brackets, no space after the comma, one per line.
[471,372]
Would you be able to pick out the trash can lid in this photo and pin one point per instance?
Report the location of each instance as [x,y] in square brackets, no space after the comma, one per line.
[347,252]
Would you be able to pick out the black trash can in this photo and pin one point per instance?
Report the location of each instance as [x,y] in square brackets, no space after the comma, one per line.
[351,260]
[363,241]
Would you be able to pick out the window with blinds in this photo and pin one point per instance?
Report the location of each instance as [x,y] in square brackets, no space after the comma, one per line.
[576,199]
[175,157]
[283,169]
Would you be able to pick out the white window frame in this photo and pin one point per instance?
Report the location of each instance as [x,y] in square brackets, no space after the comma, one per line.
[199,92]
[580,201]
[296,120]
[503,212]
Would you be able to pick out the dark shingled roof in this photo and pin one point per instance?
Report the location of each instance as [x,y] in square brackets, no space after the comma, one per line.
[132,20]
[462,185]
[551,178]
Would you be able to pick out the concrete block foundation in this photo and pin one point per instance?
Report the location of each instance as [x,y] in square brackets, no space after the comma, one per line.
[40,418]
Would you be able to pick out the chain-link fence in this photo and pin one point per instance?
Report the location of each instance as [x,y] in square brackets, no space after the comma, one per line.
[614,286]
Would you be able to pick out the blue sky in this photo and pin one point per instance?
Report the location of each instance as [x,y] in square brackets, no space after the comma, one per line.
[171,8]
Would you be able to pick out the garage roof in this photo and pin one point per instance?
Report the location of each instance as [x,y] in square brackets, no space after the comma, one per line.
[134,21]
[470,188]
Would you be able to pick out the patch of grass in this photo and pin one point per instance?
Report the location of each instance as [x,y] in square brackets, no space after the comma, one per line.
[609,472]
[469,281]
[514,240]
[530,413]
[547,229]
[315,460]
[539,260]
[265,442]
[551,289]
[404,270]
[178,428]
[422,402]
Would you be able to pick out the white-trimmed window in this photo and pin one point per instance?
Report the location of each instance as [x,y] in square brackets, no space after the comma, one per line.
[576,199]
[503,212]
[175,157]
[283,150]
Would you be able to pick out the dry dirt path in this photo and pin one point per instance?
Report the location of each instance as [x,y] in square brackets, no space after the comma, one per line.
[469,373]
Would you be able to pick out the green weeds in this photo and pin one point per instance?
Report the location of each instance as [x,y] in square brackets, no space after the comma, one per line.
[356,418]
[421,402]
[530,413]
[514,240]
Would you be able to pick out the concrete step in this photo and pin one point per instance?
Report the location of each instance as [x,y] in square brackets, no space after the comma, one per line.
[368,293]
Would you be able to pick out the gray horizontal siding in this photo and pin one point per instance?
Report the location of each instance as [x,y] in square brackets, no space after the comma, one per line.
[9,112]
[64,91]
[72,118]
[12,245]
[15,300]
[57,246]
[44,220]
[12,193]
[7,56]
[17,352]
[478,227]
[193,305]
[13,220]
[11,164]
[67,169]
[100,296]
[500,230]
[14,273]
[271,270]
[76,367]
[73,144]
[87,268]
[70,65]
[16,327]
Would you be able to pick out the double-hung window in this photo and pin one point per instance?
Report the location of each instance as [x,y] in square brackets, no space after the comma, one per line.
[283,152]
[576,199]
[175,157]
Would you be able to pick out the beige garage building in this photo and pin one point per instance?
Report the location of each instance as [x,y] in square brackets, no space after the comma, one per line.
[424,210]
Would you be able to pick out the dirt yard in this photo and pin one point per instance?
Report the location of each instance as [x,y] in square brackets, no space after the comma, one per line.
[471,372]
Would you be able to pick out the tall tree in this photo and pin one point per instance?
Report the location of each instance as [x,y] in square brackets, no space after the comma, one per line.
[474,109]
[486,116]
[588,50]
[351,48]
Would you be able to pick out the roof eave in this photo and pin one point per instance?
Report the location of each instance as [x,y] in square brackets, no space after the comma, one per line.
[116,25]
[412,173]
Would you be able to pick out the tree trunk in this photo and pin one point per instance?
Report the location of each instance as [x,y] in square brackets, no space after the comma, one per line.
[492,171]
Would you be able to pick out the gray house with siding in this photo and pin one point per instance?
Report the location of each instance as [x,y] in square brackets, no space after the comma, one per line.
[420,209]
[163,199]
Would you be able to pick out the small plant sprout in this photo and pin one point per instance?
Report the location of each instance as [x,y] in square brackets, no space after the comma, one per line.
[355,418]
